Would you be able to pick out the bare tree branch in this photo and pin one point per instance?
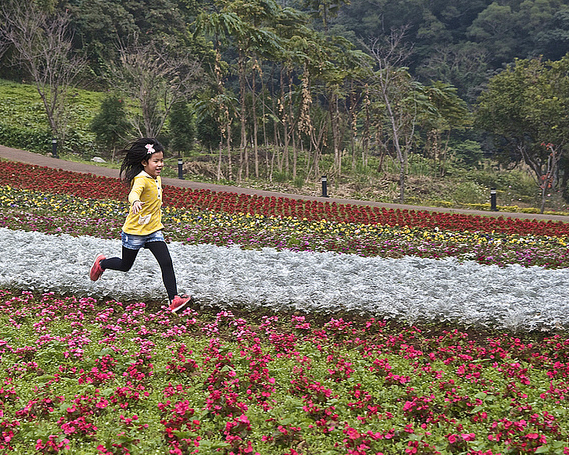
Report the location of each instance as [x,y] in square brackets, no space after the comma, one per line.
[156,80]
[4,43]
[396,90]
[43,48]
[391,52]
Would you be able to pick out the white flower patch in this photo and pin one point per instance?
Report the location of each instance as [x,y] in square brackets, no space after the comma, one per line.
[409,289]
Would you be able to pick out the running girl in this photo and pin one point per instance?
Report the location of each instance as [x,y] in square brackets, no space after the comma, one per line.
[140,170]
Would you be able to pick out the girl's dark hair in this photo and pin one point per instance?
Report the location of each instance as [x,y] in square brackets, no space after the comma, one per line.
[136,152]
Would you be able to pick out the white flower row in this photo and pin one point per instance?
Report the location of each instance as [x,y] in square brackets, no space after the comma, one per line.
[409,289]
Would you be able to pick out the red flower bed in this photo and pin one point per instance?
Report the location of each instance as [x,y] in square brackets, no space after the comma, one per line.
[360,214]
[20,175]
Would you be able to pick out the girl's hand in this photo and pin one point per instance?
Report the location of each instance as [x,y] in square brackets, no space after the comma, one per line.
[136,207]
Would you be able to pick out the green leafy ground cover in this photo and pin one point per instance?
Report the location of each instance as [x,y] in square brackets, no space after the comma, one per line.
[83,376]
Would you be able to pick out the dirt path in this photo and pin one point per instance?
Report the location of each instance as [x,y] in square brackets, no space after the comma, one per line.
[47,161]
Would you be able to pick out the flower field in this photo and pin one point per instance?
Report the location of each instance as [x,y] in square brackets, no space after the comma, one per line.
[84,372]
[55,201]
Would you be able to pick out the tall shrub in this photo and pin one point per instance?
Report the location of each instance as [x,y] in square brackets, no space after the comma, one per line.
[182,130]
[110,125]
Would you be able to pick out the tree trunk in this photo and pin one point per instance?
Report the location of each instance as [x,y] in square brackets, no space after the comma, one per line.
[402,151]
[276,140]
[254,116]
[366,132]
[316,143]
[546,180]
[402,174]
[294,155]
[229,163]
[284,115]
[543,199]
[292,130]
[243,153]
[353,124]
[335,132]
[219,160]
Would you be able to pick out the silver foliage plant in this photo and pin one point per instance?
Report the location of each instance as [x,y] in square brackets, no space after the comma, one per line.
[410,289]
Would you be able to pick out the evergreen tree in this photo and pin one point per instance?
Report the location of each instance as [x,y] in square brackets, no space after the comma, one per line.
[182,130]
[110,125]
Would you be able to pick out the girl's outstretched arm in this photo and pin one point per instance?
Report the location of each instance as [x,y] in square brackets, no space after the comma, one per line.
[136,191]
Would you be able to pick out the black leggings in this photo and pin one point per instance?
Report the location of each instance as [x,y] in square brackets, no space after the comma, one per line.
[162,255]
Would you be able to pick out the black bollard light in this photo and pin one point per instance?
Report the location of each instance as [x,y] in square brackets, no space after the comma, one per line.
[54,148]
[493,206]
[324,186]
[180,169]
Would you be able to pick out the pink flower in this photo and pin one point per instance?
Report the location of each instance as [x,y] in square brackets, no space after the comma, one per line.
[352,433]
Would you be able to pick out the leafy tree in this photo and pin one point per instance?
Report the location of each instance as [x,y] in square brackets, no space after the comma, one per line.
[495,27]
[343,64]
[254,37]
[526,109]
[220,25]
[110,125]
[215,115]
[468,153]
[99,24]
[432,30]
[110,21]
[463,66]
[300,54]
[553,41]
[182,130]
[445,113]
[207,130]
[461,42]
[324,9]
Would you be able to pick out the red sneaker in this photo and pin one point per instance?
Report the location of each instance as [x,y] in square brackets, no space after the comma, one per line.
[179,303]
[96,269]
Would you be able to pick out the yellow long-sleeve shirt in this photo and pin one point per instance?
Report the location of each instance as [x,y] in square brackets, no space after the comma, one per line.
[148,190]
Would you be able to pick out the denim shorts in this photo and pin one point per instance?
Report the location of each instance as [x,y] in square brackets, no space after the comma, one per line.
[136,242]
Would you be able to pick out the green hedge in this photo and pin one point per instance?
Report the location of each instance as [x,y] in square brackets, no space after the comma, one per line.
[31,139]
[38,140]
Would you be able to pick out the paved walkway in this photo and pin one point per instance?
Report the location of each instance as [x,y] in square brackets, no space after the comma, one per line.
[47,161]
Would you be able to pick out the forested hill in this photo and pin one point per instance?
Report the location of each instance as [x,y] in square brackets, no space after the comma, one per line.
[462,42]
